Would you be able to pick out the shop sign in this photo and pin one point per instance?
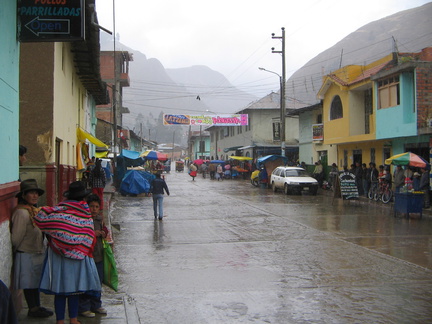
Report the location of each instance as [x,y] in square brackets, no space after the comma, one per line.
[348,186]
[206,120]
[51,20]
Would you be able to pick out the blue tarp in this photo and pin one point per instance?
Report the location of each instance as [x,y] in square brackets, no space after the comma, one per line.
[136,182]
[268,158]
[130,154]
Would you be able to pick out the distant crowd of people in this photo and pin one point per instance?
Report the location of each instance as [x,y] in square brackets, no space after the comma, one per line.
[367,177]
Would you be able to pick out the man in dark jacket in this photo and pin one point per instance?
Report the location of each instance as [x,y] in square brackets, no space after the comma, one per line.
[424,186]
[399,178]
[158,186]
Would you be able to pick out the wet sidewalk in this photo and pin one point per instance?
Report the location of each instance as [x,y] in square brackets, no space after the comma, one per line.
[120,308]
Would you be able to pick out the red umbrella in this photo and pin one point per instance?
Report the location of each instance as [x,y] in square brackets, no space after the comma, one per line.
[198,161]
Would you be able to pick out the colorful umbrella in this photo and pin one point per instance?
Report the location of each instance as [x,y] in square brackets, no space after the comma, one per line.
[217,161]
[154,155]
[407,158]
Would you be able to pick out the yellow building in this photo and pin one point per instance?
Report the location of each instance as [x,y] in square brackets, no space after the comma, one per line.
[348,114]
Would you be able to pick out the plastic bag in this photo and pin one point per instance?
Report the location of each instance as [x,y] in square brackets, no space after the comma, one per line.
[110,277]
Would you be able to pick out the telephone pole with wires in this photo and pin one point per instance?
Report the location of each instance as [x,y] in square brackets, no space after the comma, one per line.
[282,94]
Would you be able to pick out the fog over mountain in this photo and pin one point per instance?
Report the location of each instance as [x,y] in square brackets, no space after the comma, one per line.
[405,31]
[198,89]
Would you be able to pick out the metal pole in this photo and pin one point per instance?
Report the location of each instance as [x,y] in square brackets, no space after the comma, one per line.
[172,153]
[282,106]
[200,142]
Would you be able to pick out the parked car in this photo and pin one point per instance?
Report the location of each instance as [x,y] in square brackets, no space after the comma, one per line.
[167,166]
[293,180]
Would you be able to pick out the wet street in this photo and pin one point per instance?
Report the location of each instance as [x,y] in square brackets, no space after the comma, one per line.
[227,252]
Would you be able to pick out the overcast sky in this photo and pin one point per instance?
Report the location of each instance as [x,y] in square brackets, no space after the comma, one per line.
[234,37]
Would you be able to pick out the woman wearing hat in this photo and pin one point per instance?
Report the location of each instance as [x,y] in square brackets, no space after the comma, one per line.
[27,244]
[69,269]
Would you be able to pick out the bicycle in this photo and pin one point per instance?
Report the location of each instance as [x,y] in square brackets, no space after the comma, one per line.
[373,190]
[386,192]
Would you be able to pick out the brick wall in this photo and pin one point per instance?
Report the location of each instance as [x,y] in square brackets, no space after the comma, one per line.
[424,95]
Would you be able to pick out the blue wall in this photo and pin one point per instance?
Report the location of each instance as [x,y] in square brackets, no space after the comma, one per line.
[9,91]
[400,120]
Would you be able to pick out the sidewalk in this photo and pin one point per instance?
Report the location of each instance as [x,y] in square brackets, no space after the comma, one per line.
[379,204]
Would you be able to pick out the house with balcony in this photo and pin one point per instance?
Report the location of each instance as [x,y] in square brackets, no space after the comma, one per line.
[377,110]
[262,134]
[311,137]
[347,97]
[114,69]
[403,103]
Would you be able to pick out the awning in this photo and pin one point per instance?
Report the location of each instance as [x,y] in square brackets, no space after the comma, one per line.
[233,148]
[133,155]
[240,158]
[83,135]
[101,155]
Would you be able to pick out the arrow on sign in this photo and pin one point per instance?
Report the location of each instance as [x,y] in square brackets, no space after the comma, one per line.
[48,26]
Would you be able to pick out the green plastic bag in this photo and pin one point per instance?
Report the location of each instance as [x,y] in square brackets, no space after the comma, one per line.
[110,269]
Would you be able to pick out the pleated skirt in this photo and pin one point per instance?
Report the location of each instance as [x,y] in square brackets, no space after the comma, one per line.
[63,276]
[27,270]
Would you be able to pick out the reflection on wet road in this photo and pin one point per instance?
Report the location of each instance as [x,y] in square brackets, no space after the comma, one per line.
[229,252]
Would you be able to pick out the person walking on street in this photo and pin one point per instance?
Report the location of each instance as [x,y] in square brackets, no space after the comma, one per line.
[219,172]
[212,169]
[158,186]
[97,179]
[424,186]
[399,178]
[318,173]
[193,171]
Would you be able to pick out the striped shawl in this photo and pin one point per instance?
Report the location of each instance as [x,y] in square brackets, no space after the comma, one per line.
[69,227]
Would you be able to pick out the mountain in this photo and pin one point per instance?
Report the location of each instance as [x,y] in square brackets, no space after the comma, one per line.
[212,88]
[406,31]
[198,89]
[193,90]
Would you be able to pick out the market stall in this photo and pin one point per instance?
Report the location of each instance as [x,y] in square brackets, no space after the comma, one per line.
[408,201]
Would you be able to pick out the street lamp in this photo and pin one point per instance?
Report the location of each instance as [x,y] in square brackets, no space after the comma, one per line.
[282,110]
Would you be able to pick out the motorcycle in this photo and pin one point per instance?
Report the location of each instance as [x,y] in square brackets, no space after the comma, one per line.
[255,178]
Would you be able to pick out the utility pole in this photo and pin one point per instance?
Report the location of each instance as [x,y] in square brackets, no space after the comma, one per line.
[282,94]
[141,135]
